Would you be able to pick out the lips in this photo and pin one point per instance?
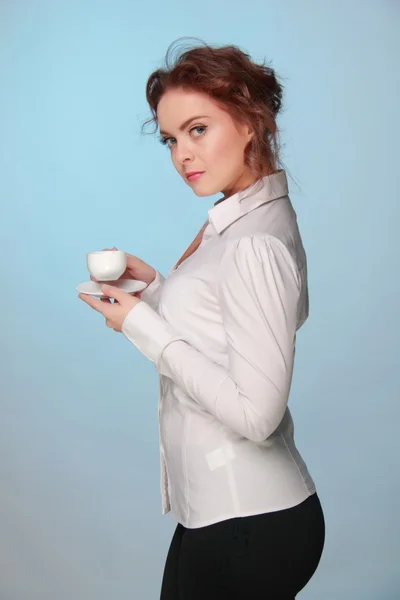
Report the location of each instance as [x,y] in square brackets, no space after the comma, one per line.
[194,175]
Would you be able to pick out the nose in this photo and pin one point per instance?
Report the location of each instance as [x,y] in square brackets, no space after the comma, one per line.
[183,153]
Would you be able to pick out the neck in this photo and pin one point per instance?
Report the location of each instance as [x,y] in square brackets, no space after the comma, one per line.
[247,179]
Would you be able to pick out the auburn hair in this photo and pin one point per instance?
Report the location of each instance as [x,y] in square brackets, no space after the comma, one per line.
[248,91]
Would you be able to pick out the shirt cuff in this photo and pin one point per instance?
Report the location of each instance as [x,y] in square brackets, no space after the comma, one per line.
[152,289]
[149,332]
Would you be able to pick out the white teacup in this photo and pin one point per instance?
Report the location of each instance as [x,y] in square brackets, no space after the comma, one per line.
[106,265]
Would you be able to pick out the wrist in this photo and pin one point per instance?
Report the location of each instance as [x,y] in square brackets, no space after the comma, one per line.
[151,277]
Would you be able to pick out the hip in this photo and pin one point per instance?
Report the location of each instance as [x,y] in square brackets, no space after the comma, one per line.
[245,556]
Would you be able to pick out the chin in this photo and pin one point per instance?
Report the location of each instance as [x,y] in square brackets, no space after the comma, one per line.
[203,191]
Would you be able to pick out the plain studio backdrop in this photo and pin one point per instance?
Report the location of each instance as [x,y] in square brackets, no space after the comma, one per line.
[80,511]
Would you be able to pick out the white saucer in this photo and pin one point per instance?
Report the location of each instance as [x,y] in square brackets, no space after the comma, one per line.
[130,286]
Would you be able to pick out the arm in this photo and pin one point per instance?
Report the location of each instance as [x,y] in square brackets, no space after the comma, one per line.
[258,294]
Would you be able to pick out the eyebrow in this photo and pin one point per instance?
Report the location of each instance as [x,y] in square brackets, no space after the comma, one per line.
[186,123]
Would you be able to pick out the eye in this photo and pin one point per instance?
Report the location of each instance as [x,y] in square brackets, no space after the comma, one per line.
[198,130]
[168,141]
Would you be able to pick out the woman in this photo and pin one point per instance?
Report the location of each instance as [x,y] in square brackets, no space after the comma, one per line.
[221,330]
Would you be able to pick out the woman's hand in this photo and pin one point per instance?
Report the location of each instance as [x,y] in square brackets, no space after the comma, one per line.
[113,312]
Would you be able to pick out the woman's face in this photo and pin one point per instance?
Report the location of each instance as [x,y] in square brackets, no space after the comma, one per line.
[207,147]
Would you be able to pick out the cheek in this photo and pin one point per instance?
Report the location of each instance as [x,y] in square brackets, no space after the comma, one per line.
[175,162]
[226,147]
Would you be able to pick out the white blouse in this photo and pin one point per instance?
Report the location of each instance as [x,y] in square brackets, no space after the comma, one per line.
[221,330]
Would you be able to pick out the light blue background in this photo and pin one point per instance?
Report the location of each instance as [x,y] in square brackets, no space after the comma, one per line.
[80,515]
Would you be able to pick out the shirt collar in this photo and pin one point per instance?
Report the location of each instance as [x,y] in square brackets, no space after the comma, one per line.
[271,187]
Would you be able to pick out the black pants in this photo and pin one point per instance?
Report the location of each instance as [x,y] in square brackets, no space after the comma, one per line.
[264,557]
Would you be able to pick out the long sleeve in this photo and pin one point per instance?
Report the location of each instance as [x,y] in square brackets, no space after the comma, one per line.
[151,294]
[258,292]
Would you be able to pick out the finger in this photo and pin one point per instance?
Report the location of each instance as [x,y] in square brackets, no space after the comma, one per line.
[94,303]
[113,292]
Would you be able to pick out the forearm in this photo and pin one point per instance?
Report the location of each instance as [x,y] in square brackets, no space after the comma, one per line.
[248,399]
[253,409]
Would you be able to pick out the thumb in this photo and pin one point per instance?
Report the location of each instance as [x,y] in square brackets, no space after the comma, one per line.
[113,292]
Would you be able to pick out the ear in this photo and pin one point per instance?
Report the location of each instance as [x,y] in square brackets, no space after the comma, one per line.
[245,130]
[249,132]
